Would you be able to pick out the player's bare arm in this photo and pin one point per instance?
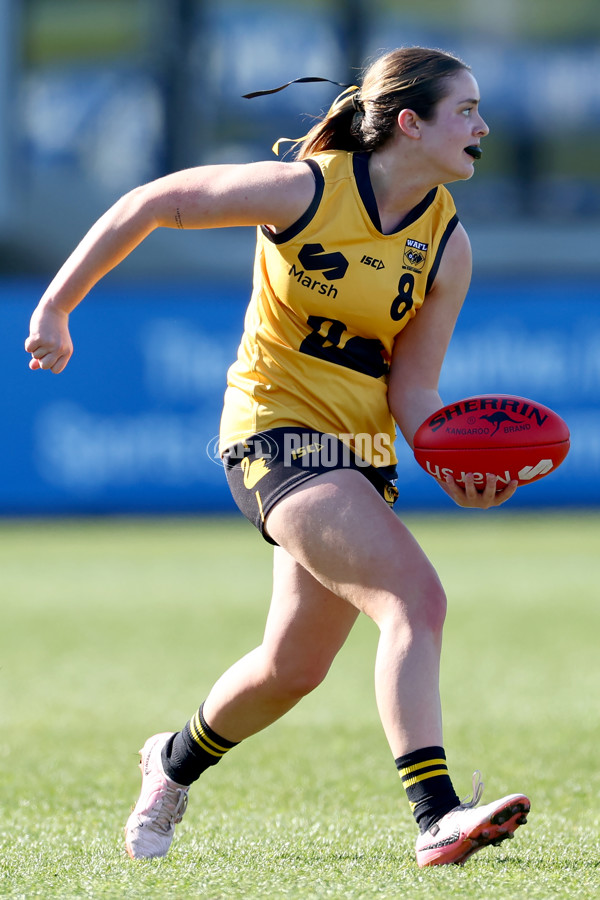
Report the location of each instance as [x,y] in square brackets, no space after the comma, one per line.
[271,193]
[417,360]
[262,193]
[421,346]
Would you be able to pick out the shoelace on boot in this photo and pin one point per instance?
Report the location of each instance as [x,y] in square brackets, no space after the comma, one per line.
[478,786]
[170,810]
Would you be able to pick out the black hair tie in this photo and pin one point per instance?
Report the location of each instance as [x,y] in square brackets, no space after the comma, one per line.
[294,81]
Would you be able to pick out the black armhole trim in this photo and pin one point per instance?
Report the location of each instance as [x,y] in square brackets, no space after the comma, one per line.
[440,251]
[305,218]
[360,163]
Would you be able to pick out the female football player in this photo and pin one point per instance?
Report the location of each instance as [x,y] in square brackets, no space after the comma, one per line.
[361,269]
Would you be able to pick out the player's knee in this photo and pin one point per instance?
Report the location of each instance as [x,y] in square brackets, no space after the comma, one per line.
[421,607]
[426,604]
[296,680]
[433,606]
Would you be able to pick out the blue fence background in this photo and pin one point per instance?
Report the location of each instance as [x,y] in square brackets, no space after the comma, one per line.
[129,427]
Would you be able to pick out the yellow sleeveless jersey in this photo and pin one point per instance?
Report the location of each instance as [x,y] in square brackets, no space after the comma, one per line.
[330,295]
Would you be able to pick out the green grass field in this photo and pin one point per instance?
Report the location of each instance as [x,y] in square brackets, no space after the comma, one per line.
[113,630]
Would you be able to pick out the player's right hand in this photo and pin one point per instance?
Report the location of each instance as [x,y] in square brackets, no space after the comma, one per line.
[468,496]
[49,341]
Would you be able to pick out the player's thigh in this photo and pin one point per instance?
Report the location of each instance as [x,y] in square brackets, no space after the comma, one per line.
[339,529]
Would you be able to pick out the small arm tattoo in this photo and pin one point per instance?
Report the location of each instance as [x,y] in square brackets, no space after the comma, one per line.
[178,219]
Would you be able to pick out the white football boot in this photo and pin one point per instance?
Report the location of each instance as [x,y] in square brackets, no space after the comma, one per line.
[160,807]
[468,828]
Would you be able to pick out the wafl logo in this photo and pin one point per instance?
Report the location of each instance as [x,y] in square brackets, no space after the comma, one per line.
[415,254]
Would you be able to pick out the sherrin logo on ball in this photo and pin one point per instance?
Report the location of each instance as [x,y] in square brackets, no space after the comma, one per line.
[500,434]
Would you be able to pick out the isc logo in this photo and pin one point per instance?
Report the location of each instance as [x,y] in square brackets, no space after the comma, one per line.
[303,451]
[375,263]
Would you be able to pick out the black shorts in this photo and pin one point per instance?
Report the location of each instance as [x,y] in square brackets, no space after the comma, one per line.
[265,467]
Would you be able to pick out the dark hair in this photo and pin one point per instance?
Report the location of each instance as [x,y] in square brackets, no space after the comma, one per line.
[408,78]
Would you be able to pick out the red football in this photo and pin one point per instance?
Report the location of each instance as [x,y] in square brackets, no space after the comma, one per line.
[500,434]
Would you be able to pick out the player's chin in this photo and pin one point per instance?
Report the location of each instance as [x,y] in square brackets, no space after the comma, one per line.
[468,171]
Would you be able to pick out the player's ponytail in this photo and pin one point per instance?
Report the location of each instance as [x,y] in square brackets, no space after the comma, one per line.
[339,129]
[365,118]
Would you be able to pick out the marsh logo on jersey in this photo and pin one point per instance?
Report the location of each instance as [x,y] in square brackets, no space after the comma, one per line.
[313,258]
[415,254]
[332,265]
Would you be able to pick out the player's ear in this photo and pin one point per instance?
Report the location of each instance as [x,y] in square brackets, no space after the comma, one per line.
[409,123]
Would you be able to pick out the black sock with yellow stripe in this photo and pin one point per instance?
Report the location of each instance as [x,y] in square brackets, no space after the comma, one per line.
[425,779]
[189,752]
